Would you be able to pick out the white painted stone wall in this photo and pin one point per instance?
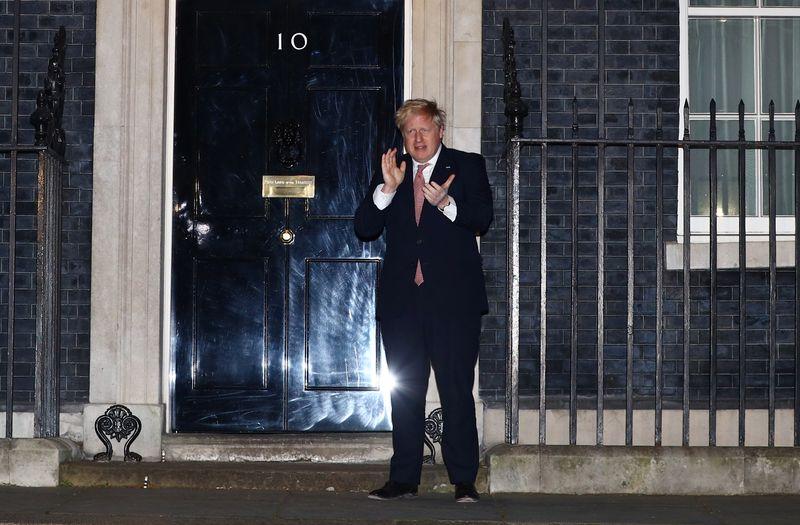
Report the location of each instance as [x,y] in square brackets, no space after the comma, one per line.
[128,192]
[756,427]
[446,64]
[125,358]
[70,425]
[34,462]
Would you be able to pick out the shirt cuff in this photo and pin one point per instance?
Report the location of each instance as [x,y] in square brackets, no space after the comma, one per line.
[382,200]
[451,210]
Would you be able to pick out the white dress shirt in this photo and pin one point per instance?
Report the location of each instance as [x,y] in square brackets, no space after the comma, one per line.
[382,200]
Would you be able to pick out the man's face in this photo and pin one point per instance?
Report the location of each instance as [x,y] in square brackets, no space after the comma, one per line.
[421,137]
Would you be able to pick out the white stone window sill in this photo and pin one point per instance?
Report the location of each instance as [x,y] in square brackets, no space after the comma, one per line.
[757,254]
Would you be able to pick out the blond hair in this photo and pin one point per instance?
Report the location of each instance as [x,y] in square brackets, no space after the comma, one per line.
[420,106]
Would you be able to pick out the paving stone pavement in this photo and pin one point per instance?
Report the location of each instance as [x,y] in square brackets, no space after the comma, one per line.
[68,505]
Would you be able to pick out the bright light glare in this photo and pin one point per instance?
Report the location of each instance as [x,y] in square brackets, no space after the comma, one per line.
[387,381]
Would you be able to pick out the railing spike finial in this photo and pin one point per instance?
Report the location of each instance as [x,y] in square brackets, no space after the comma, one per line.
[574,117]
[659,119]
[712,129]
[741,119]
[515,109]
[686,120]
[771,120]
[630,118]
[797,121]
[47,117]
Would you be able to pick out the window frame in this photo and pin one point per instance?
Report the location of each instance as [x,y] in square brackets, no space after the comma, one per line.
[728,226]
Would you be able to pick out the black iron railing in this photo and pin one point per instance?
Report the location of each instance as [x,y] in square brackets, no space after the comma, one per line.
[598,149]
[48,153]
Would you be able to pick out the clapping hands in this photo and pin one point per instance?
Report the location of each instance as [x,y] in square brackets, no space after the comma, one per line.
[438,195]
[393,174]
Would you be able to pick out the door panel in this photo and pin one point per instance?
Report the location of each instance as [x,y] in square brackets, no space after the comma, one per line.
[269,336]
[231,38]
[229,171]
[338,308]
[343,129]
[345,39]
[230,325]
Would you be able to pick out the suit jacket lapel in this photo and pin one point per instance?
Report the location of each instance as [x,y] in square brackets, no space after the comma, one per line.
[444,166]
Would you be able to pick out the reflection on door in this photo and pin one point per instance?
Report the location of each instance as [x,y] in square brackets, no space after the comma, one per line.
[273,300]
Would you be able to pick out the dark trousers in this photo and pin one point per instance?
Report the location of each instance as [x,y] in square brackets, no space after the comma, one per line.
[448,342]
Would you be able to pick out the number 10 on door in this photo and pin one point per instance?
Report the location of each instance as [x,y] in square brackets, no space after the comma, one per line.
[299,41]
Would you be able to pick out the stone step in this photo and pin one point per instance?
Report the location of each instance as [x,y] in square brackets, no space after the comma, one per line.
[284,476]
[373,447]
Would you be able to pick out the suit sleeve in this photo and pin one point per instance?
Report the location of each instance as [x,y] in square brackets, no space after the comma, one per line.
[475,209]
[369,220]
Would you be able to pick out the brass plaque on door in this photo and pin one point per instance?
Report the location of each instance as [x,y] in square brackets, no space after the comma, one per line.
[288,187]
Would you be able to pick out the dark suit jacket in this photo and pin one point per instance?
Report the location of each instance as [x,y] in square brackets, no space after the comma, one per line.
[451,264]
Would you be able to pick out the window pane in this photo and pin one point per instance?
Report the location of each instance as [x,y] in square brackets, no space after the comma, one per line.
[727,170]
[716,3]
[721,63]
[781,3]
[780,49]
[784,169]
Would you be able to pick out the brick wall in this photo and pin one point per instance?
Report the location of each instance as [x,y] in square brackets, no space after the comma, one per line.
[641,65]
[40,19]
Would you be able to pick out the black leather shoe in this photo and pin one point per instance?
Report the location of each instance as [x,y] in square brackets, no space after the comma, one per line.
[394,490]
[466,493]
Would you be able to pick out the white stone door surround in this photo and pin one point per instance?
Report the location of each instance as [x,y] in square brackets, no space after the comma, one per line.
[130,346]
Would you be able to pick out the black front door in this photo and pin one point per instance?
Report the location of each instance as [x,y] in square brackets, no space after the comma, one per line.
[273,300]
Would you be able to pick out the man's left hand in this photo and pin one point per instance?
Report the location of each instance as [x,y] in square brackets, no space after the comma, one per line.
[436,194]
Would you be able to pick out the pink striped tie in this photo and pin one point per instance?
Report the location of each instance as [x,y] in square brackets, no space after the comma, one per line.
[419,199]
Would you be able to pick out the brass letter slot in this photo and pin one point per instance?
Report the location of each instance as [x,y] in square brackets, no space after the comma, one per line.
[288,187]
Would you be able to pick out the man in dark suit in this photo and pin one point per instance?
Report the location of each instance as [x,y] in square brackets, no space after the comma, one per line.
[431,293]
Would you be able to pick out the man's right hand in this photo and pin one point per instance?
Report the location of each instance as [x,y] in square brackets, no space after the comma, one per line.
[392,174]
